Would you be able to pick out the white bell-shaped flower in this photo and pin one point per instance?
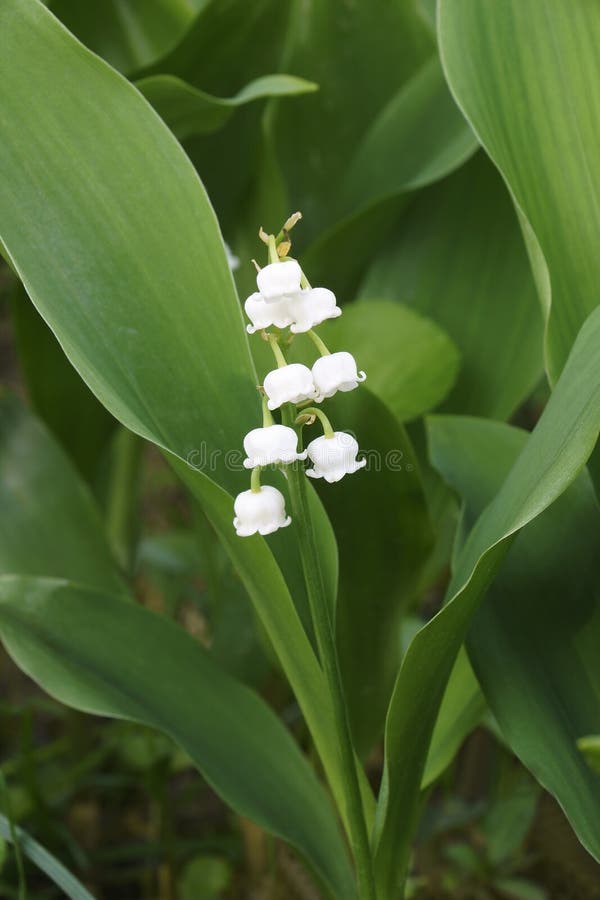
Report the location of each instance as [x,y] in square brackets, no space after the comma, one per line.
[263,314]
[311,307]
[335,372]
[289,384]
[279,279]
[271,445]
[333,457]
[261,511]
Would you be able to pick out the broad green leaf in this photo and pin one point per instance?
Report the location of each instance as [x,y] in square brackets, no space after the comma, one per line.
[98,654]
[417,138]
[523,73]
[534,641]
[410,363]
[457,256]
[56,392]
[551,459]
[134,282]
[461,710]
[188,110]
[382,523]
[49,524]
[317,136]
[127,33]
[44,860]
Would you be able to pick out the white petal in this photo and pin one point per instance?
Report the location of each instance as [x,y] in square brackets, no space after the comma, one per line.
[279,280]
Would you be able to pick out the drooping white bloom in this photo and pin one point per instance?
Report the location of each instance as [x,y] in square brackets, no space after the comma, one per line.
[261,511]
[271,445]
[280,279]
[263,314]
[336,372]
[233,261]
[311,307]
[289,384]
[333,457]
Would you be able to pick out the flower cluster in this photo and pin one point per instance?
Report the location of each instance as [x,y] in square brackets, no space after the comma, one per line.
[285,299]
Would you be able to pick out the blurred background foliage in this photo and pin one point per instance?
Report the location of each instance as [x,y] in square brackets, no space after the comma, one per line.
[341,111]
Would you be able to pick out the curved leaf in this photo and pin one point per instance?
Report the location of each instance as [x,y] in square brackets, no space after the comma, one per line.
[522,74]
[45,861]
[188,110]
[98,654]
[534,642]
[457,256]
[554,454]
[49,524]
[114,238]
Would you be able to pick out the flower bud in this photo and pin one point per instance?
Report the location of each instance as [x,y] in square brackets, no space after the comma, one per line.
[333,457]
[271,445]
[311,307]
[261,511]
[335,372]
[289,384]
[263,314]
[279,279]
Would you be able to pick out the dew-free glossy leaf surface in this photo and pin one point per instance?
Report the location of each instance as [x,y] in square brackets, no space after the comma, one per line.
[101,655]
[457,256]
[49,524]
[553,456]
[524,73]
[534,642]
[188,110]
[112,233]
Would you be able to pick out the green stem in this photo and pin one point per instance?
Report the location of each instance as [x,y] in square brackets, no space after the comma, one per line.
[273,254]
[281,362]
[319,343]
[121,519]
[325,636]
[255,480]
[267,417]
[320,415]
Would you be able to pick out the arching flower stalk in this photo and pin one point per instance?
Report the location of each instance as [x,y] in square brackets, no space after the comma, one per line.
[285,300]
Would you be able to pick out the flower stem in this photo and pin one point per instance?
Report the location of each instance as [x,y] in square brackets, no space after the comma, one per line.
[273,254]
[325,636]
[274,343]
[267,417]
[255,480]
[313,412]
[319,343]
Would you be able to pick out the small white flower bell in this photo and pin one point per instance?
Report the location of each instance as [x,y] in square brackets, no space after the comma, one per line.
[271,445]
[279,279]
[311,307]
[335,372]
[263,314]
[292,383]
[333,457]
[261,511]
[233,261]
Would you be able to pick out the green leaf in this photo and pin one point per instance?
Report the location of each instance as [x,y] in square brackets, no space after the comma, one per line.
[98,654]
[519,889]
[461,710]
[522,73]
[554,454]
[113,236]
[57,393]
[205,878]
[457,256]
[316,137]
[188,110]
[410,363]
[127,33]
[417,138]
[526,628]
[45,861]
[49,524]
